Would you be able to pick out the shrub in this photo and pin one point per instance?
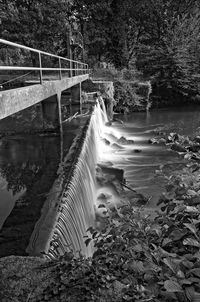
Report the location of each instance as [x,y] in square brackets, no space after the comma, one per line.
[138,258]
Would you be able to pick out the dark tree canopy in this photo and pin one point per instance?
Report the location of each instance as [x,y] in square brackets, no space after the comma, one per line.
[38,24]
[159,37]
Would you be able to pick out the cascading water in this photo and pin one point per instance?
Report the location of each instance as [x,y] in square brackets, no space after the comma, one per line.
[75,212]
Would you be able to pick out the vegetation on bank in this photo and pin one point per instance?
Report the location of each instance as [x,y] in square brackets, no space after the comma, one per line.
[138,258]
[159,38]
[131,93]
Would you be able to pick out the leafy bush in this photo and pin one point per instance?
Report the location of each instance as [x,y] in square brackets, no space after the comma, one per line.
[131,95]
[138,258]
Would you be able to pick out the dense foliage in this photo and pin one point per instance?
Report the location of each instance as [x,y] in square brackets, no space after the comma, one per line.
[138,258]
[38,24]
[160,38]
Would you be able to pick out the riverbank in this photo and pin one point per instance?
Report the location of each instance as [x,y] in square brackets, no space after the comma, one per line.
[136,257]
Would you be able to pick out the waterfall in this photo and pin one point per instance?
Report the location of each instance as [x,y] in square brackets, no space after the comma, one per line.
[63,223]
[103,107]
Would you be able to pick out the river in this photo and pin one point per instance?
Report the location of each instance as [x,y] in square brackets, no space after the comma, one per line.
[28,165]
[141,161]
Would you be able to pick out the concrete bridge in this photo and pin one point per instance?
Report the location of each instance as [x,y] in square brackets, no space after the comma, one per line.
[42,85]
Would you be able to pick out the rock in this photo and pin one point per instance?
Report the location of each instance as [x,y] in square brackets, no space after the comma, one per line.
[111,136]
[105,164]
[177,147]
[194,148]
[115,173]
[118,121]
[106,141]
[122,140]
[137,150]
[162,141]
[116,146]
[172,137]
[157,140]
[104,196]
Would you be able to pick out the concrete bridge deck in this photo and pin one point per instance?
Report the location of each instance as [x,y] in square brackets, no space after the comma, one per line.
[48,91]
[15,100]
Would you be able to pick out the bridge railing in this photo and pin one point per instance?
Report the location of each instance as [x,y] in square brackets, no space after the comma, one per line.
[18,62]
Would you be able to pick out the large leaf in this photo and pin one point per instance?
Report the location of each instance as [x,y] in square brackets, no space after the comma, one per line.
[197,255]
[191,294]
[137,266]
[196,272]
[191,242]
[177,234]
[172,286]
[191,209]
[191,227]
[170,263]
[191,192]
[166,241]
[189,291]
[166,254]
[137,248]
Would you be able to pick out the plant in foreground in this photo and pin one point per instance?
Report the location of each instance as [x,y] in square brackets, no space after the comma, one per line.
[137,258]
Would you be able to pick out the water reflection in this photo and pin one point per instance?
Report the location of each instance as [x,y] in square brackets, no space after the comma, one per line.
[28,168]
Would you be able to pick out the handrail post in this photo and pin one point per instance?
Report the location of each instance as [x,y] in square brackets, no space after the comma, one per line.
[71,71]
[60,71]
[40,62]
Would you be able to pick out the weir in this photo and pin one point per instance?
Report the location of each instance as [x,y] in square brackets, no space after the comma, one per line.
[70,209]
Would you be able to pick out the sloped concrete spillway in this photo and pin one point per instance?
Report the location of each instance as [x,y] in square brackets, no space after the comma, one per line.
[70,208]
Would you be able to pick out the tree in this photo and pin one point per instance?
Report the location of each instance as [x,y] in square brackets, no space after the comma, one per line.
[94,21]
[173,60]
[38,24]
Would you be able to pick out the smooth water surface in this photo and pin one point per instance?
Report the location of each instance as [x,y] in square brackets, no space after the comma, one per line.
[142,161]
[28,168]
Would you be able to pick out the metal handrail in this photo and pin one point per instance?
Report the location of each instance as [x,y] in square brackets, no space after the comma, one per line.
[36,50]
[37,68]
[75,66]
